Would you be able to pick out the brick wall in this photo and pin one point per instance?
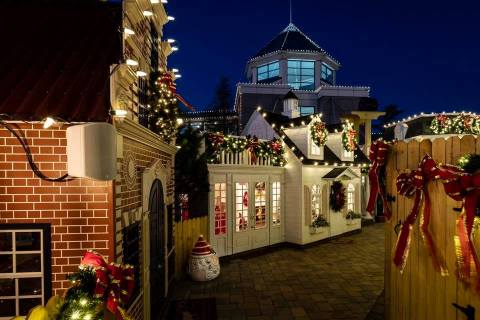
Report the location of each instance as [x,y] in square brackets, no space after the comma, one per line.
[80,211]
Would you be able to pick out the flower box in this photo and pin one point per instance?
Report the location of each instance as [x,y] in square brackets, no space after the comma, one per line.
[353,221]
[315,230]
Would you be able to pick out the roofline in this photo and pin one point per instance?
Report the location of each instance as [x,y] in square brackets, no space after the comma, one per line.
[254,58]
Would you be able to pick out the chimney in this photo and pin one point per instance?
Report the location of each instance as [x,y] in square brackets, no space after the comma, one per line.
[290,105]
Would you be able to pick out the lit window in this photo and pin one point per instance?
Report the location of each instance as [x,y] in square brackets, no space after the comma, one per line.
[22,269]
[305,111]
[350,197]
[260,205]
[301,74]
[276,207]
[220,208]
[347,154]
[316,198]
[327,74]
[268,71]
[241,206]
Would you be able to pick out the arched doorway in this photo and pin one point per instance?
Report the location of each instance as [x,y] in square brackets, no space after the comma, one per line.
[157,247]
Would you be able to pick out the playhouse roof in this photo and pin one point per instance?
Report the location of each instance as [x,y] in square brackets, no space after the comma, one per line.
[277,121]
[47,70]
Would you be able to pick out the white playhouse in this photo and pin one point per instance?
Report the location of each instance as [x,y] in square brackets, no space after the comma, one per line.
[258,201]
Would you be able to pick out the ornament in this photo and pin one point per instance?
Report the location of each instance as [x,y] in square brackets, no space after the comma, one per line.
[319,132]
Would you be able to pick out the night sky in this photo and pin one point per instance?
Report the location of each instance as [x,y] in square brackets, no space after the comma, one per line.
[420,55]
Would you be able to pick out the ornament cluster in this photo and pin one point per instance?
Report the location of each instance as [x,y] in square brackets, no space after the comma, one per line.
[218,142]
[464,123]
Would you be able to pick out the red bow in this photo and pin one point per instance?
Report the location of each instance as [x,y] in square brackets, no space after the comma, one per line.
[253,145]
[168,80]
[114,282]
[378,156]
[459,186]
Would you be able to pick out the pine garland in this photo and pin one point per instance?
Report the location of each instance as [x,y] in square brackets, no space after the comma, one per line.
[349,137]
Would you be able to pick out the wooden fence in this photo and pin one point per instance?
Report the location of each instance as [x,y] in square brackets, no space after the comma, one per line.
[421,292]
[186,234]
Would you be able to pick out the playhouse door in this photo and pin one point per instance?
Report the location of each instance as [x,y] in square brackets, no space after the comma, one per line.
[241,216]
[259,217]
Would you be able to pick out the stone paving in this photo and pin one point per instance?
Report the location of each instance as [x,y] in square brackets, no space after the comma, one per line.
[339,279]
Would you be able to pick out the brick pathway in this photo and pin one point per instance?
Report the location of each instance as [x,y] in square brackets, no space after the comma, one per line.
[340,279]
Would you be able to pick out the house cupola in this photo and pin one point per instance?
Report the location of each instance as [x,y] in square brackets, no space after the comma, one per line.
[290,105]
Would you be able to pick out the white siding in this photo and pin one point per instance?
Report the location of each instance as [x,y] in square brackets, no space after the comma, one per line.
[299,136]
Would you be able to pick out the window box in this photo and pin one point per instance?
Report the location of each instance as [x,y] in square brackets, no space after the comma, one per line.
[315,230]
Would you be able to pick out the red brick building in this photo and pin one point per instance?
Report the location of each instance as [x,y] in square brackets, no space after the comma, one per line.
[72,61]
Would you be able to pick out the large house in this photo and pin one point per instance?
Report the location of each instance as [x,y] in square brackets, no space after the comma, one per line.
[293,61]
[73,88]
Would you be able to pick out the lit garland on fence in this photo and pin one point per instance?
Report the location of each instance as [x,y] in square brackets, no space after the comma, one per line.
[464,123]
[272,149]
[318,132]
[349,137]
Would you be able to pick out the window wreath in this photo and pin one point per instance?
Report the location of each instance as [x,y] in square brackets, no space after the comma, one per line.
[337,196]
[319,132]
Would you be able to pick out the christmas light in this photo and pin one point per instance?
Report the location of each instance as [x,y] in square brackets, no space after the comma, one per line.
[170,40]
[170,18]
[132,62]
[147,13]
[140,73]
[128,31]
[174,48]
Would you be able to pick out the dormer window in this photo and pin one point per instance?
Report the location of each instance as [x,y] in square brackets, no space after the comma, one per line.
[268,71]
[301,74]
[315,150]
[347,154]
[327,73]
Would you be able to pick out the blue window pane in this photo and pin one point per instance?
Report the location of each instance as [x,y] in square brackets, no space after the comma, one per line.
[273,66]
[261,76]
[305,111]
[310,72]
[305,86]
[301,74]
[273,73]
[308,79]
[308,64]
[262,69]
[293,63]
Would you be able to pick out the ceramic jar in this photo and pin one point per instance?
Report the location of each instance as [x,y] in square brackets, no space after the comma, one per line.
[204,264]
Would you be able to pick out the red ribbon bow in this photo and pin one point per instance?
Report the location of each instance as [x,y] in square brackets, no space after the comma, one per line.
[459,186]
[253,145]
[168,80]
[114,282]
[378,156]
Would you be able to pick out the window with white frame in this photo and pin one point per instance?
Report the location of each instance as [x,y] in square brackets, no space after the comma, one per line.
[260,205]
[314,149]
[276,207]
[24,258]
[347,154]
[350,197]
[241,206]
[220,194]
[316,201]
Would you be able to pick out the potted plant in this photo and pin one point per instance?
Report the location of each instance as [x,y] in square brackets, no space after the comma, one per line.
[319,224]
[351,216]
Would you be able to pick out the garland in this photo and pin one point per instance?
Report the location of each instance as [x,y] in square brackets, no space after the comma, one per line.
[349,137]
[462,124]
[461,184]
[218,142]
[337,196]
[319,132]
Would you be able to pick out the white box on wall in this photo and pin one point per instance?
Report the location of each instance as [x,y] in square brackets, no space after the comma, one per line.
[91,151]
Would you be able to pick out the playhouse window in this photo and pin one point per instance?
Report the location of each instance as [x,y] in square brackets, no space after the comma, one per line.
[241,206]
[316,201]
[220,208]
[260,205]
[23,261]
[347,154]
[314,149]
[276,203]
[350,197]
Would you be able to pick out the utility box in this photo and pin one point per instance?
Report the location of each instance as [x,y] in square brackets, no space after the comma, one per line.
[91,151]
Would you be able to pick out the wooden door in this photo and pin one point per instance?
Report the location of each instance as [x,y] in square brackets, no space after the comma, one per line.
[157,248]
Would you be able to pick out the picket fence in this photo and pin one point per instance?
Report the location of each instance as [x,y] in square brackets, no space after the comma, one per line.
[186,234]
[420,292]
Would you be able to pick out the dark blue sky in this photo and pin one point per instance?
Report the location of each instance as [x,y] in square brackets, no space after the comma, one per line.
[421,55]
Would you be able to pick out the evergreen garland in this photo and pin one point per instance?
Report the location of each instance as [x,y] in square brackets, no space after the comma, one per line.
[319,132]
[349,137]
[337,196]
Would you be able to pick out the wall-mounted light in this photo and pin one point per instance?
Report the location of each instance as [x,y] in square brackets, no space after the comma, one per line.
[120,113]
[174,48]
[178,76]
[170,18]
[147,13]
[132,62]
[170,40]
[141,73]
[129,31]
[48,122]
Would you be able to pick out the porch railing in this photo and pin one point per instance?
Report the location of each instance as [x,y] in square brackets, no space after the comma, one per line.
[242,158]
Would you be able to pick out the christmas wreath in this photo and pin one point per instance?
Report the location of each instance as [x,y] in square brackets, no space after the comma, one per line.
[466,123]
[319,132]
[337,196]
[349,137]
[441,124]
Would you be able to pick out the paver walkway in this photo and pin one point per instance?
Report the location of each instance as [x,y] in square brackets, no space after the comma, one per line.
[340,279]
